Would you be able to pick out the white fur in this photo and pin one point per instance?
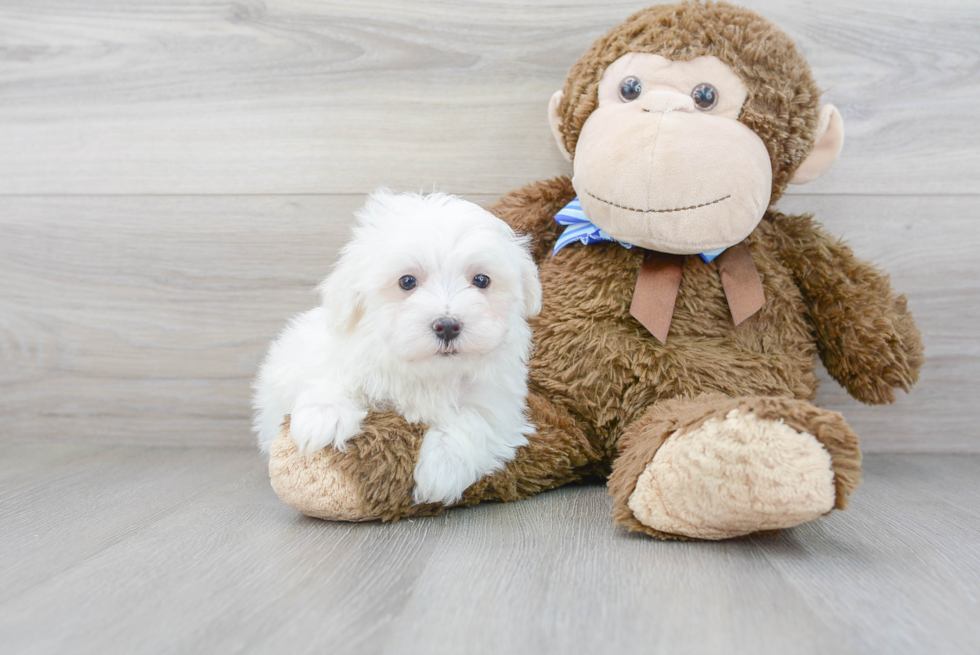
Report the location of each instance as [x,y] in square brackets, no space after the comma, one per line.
[370,344]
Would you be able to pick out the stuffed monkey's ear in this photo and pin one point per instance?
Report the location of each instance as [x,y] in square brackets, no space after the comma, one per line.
[555,121]
[530,284]
[826,146]
[339,294]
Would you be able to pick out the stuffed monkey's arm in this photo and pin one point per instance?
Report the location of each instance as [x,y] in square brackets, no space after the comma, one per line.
[531,210]
[866,336]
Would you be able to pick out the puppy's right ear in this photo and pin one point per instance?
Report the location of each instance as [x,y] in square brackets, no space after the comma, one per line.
[339,294]
[531,285]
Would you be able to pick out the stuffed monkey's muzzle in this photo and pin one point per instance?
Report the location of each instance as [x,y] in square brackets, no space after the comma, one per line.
[659,174]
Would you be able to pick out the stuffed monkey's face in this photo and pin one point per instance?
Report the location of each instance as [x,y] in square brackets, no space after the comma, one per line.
[663,162]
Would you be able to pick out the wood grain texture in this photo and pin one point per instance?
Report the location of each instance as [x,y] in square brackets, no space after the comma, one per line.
[144,318]
[148,316]
[296,96]
[175,550]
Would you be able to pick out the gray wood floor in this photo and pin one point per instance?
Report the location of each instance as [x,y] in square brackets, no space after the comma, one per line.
[141,549]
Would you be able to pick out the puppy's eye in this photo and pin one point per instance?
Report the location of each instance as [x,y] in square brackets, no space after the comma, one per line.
[407,282]
[705,96]
[481,281]
[630,89]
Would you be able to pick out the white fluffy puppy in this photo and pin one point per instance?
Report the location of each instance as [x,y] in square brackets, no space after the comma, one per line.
[424,314]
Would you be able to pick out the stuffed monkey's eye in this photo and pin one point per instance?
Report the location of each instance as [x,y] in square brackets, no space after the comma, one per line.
[481,281]
[407,282]
[705,96]
[630,88]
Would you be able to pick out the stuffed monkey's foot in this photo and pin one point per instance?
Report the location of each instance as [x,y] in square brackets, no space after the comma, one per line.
[734,476]
[749,466]
[371,479]
[315,484]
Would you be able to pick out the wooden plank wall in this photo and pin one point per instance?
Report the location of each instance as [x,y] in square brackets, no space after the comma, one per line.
[176,175]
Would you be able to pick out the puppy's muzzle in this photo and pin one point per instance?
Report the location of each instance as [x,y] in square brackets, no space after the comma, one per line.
[446,328]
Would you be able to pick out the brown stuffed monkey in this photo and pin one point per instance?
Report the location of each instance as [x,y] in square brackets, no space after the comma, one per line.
[682,314]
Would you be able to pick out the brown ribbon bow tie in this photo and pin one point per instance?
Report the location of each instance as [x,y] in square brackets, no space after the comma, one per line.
[660,279]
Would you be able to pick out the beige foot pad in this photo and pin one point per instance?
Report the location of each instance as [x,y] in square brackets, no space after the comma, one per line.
[734,476]
[314,485]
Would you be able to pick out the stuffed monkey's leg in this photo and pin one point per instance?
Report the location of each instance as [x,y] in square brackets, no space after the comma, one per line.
[714,467]
[373,478]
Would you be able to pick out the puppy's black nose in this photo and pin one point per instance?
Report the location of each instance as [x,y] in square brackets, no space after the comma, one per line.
[446,328]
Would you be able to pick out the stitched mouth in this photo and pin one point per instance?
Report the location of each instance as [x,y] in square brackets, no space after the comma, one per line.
[658,211]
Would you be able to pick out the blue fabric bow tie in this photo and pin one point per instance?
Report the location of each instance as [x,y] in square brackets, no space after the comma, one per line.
[580,228]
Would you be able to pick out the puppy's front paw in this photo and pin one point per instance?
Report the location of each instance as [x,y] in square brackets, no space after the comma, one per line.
[442,473]
[318,425]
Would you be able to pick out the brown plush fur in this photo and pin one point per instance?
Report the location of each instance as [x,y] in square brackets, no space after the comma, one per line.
[605,393]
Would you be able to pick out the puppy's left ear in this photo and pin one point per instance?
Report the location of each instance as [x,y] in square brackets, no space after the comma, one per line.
[530,284]
[339,294]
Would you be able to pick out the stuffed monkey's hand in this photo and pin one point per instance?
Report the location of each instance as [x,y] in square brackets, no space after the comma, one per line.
[874,350]
[866,336]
